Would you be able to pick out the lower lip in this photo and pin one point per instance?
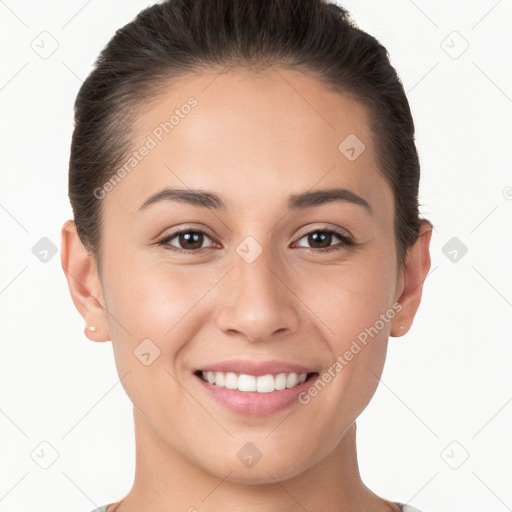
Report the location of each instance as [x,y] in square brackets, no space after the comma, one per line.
[252,403]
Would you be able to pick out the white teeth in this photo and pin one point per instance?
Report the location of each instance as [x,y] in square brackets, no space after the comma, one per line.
[262,384]
[246,383]
[291,380]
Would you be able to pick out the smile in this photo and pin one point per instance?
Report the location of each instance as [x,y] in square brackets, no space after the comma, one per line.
[251,383]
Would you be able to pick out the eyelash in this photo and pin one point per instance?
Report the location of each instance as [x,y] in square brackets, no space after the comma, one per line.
[346,241]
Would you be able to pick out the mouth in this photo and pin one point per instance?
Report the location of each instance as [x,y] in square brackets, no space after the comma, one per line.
[249,383]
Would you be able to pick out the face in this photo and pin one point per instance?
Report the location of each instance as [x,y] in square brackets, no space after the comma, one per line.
[258,274]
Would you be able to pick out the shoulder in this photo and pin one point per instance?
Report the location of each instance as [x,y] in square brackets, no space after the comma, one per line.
[408,508]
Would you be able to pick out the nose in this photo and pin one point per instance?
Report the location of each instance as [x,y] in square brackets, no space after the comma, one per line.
[259,303]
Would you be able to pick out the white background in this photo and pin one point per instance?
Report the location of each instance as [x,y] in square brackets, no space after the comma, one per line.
[446,390]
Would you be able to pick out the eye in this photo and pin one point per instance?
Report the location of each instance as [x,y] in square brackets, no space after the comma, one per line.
[189,240]
[321,239]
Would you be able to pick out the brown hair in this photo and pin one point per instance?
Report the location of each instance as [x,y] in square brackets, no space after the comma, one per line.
[175,37]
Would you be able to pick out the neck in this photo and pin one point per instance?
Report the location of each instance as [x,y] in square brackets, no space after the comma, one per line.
[164,480]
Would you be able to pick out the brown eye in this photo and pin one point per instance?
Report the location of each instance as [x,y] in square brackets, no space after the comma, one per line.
[322,240]
[188,240]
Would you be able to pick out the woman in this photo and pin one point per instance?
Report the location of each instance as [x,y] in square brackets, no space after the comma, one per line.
[244,184]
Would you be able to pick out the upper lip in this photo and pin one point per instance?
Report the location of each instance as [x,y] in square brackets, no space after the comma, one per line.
[256,368]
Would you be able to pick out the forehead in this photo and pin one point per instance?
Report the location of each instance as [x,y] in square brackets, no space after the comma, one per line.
[250,137]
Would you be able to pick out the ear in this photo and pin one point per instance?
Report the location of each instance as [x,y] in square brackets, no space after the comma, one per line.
[411,280]
[84,284]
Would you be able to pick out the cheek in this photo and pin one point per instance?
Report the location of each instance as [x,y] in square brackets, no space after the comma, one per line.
[356,320]
[360,320]
[151,318]
[350,298]
[149,299]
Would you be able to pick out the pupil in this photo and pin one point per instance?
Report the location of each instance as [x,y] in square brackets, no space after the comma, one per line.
[192,238]
[313,238]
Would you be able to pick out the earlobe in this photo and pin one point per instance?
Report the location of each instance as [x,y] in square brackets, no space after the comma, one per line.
[79,267]
[414,275]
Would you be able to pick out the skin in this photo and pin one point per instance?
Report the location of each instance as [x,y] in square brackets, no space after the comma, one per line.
[253,140]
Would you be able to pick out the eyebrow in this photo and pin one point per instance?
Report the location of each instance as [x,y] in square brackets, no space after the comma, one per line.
[303,200]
